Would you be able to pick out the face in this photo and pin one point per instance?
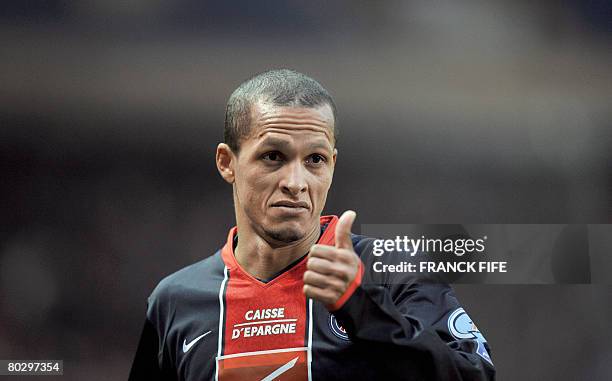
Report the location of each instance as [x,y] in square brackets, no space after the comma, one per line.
[283,171]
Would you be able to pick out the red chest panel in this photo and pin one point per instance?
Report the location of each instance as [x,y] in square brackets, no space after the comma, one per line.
[266,326]
[265,316]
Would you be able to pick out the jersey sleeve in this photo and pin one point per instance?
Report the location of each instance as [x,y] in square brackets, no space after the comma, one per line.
[151,361]
[401,319]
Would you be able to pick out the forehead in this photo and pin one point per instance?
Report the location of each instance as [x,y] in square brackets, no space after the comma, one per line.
[295,122]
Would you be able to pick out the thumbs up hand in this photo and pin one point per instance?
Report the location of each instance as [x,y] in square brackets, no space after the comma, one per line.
[331,269]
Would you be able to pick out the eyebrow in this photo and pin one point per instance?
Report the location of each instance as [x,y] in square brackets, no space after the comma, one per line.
[273,142]
[277,143]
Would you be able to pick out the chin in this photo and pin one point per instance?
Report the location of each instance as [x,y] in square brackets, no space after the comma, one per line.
[286,234]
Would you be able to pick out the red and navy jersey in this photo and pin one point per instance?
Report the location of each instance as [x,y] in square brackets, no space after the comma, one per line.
[214,321]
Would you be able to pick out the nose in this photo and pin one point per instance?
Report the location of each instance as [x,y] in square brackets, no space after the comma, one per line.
[294,179]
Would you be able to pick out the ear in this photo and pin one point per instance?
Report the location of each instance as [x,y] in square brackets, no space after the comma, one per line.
[333,162]
[226,160]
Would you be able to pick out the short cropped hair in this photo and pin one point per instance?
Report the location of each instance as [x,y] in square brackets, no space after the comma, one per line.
[282,87]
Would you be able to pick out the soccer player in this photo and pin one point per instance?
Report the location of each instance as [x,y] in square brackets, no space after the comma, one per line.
[285,297]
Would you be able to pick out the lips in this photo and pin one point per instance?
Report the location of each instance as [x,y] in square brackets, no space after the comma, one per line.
[291,204]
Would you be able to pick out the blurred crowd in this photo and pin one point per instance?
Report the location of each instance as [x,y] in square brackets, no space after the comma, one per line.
[451,112]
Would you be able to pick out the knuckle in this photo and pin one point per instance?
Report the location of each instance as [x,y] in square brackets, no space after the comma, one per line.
[338,290]
[331,255]
[308,276]
[351,257]
[342,273]
[342,254]
[312,263]
[335,297]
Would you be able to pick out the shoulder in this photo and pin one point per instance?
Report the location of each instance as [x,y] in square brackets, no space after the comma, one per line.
[362,244]
[195,278]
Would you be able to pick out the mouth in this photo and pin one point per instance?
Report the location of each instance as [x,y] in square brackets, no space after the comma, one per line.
[291,205]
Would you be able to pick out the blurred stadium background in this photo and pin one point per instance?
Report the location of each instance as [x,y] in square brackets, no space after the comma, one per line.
[450,112]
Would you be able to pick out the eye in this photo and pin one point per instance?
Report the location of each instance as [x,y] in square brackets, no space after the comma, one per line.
[316,159]
[272,156]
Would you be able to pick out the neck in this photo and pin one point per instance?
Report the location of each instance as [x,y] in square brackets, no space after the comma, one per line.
[263,259]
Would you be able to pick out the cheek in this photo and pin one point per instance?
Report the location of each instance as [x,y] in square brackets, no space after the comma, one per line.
[320,186]
[255,187]
[261,183]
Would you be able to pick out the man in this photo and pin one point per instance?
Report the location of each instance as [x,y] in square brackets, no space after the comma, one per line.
[286,297]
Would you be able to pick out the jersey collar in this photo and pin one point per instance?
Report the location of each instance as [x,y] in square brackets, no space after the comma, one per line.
[327,238]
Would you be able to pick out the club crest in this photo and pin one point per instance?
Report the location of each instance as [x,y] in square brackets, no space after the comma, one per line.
[336,328]
[461,326]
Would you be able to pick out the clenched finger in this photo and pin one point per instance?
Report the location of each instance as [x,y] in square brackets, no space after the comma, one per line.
[325,267]
[332,253]
[323,295]
[324,281]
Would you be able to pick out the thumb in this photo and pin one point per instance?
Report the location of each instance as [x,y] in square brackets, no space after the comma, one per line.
[343,230]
